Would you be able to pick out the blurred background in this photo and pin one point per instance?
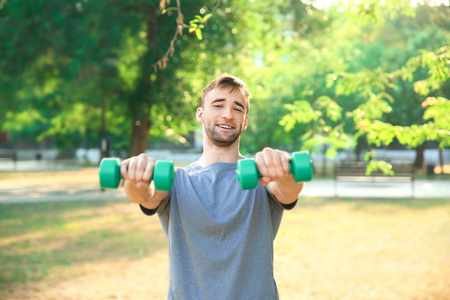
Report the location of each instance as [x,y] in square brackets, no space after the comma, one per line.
[354,82]
[82,80]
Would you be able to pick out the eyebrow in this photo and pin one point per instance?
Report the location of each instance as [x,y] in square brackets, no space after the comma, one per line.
[223,99]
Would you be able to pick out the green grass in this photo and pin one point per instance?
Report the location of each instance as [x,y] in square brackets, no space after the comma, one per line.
[38,238]
[325,249]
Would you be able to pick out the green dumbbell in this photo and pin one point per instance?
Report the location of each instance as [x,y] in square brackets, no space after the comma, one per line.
[110,176]
[300,166]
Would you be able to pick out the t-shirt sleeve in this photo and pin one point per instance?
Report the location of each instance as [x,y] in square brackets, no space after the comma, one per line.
[284,206]
[148,212]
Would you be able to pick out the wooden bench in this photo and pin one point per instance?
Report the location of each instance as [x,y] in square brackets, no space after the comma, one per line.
[351,171]
[9,154]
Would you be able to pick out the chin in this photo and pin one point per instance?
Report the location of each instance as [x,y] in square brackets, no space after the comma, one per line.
[225,142]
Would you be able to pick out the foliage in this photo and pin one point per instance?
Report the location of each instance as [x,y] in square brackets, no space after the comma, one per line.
[367,117]
[366,103]
[358,71]
[69,65]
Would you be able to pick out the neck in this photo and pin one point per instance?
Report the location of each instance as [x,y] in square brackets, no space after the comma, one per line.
[215,154]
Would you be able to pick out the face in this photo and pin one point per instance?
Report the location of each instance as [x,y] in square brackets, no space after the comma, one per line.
[223,116]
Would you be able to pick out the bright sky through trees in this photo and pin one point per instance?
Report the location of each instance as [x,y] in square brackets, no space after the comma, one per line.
[320,4]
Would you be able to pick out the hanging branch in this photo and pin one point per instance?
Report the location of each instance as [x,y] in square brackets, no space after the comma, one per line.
[196,25]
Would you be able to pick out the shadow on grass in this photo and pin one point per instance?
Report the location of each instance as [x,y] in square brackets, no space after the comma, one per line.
[37,238]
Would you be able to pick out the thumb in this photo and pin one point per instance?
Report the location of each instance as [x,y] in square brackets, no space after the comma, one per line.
[265,180]
[142,185]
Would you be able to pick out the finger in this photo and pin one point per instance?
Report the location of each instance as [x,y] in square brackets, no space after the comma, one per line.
[265,181]
[140,168]
[148,172]
[132,165]
[263,166]
[285,160]
[124,168]
[142,185]
[277,165]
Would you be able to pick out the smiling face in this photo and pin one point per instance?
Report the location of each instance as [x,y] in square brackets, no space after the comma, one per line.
[224,115]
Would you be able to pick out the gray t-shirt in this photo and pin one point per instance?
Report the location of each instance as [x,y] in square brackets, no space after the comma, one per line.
[220,236]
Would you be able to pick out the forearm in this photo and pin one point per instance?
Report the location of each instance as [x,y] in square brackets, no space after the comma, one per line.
[286,190]
[149,198]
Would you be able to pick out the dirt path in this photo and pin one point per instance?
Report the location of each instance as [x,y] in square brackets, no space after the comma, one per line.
[73,185]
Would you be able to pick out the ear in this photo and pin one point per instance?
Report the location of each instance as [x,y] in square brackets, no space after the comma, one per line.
[199,114]
[246,122]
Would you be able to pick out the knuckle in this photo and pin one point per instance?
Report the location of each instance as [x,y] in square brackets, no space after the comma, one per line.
[270,164]
[267,150]
[131,162]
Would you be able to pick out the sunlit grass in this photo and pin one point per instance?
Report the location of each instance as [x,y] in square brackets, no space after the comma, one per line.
[363,249]
[37,239]
[349,249]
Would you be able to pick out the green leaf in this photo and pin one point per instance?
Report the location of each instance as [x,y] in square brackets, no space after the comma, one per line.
[206,17]
[198,33]
[375,165]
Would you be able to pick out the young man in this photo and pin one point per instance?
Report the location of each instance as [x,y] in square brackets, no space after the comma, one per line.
[220,236]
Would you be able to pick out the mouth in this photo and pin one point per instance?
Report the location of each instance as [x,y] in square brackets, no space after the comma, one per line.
[225,126]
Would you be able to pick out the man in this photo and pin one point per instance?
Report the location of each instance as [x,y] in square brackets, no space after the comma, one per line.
[220,236]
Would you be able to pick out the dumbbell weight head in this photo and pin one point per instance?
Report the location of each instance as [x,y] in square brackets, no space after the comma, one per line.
[247,173]
[301,166]
[109,173]
[163,175]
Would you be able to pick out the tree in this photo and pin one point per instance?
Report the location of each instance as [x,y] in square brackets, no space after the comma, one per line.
[391,45]
[274,58]
[374,93]
[69,61]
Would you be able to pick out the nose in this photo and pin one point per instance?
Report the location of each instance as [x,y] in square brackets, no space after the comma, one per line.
[227,113]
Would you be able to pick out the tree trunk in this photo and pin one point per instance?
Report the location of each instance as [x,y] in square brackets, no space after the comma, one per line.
[139,137]
[441,160]
[142,99]
[104,145]
[419,157]
[324,161]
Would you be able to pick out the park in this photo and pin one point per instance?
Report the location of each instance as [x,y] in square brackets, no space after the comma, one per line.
[356,92]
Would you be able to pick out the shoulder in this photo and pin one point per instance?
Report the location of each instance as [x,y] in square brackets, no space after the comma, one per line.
[190,167]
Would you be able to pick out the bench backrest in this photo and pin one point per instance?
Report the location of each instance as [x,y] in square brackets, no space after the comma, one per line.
[8,154]
[353,169]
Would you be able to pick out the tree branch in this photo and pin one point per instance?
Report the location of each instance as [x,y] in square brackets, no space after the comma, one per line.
[162,62]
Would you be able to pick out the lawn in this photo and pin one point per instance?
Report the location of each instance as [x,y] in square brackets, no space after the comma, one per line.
[325,249]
